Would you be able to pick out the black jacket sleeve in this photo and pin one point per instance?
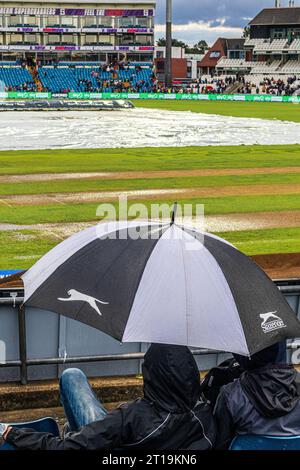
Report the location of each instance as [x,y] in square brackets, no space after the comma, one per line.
[100,435]
[225,423]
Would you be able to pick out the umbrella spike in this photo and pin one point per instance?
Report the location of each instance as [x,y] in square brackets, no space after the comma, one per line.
[174,213]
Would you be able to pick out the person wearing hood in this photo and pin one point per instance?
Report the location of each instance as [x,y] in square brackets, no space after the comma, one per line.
[169,416]
[264,400]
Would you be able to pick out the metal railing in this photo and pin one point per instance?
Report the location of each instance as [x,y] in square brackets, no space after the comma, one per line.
[15,300]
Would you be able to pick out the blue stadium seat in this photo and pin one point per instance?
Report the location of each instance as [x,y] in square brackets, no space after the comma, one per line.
[15,76]
[56,79]
[41,425]
[251,442]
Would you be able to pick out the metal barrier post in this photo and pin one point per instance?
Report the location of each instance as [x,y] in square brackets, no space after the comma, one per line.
[22,344]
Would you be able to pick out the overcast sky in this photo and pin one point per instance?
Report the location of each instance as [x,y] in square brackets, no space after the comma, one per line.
[209,19]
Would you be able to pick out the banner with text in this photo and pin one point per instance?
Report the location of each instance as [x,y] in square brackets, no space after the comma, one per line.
[25,95]
[183,96]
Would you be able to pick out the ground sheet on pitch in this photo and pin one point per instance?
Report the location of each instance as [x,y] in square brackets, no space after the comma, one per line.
[137,128]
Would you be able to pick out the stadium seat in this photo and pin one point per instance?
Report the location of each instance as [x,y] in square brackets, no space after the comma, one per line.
[59,78]
[251,442]
[41,425]
[15,76]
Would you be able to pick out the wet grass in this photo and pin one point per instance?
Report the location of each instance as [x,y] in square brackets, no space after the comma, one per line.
[80,212]
[86,185]
[147,159]
[22,248]
[279,111]
[266,241]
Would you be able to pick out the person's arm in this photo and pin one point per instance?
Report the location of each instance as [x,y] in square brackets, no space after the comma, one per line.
[100,435]
[225,423]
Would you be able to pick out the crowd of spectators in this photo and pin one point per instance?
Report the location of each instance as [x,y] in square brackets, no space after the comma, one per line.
[111,78]
[220,85]
[26,86]
[279,87]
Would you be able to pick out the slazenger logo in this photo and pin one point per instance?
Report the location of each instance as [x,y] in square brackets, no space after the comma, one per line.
[76,296]
[271,322]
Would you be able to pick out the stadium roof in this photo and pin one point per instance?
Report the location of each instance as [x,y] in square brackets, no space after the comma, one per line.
[214,54]
[220,49]
[277,16]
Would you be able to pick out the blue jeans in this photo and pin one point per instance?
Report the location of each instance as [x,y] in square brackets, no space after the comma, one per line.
[80,403]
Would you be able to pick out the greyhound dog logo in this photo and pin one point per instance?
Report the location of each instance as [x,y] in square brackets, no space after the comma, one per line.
[76,296]
[271,322]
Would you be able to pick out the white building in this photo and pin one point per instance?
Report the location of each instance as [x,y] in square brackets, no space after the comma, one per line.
[77,30]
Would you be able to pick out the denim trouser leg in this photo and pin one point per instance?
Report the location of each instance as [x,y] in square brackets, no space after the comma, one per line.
[78,399]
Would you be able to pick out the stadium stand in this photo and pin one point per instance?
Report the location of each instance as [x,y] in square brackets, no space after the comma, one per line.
[95,79]
[16,78]
[291,67]
[295,45]
[266,68]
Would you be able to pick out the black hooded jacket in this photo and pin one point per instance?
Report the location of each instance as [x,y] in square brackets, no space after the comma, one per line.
[169,416]
[273,390]
[263,401]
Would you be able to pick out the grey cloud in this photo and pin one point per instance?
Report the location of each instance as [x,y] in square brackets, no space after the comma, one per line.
[234,11]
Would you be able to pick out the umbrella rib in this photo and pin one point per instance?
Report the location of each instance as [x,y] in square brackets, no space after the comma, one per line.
[185,293]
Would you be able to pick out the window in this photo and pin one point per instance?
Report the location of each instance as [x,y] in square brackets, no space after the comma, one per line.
[142,22]
[145,40]
[30,38]
[278,33]
[104,21]
[90,39]
[214,54]
[126,22]
[294,33]
[236,54]
[104,38]
[30,20]
[53,39]
[68,21]
[52,21]
[90,22]
[16,38]
[15,20]
[68,39]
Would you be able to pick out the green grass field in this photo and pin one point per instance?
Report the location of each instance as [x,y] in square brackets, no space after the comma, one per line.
[86,212]
[280,111]
[147,159]
[78,186]
[20,248]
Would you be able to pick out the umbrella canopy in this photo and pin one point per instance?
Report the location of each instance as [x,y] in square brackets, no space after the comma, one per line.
[169,285]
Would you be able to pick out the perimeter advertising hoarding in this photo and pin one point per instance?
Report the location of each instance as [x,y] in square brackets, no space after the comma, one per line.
[184,96]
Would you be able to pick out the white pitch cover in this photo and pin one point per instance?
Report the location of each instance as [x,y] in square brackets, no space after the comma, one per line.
[169,295]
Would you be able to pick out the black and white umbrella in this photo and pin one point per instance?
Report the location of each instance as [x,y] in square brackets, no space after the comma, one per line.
[169,285]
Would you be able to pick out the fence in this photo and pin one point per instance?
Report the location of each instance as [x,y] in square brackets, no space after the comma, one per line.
[38,344]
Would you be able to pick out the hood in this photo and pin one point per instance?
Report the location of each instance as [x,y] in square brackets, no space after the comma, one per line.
[171,378]
[273,390]
[275,354]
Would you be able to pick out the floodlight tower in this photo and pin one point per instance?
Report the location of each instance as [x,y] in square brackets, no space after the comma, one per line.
[168,61]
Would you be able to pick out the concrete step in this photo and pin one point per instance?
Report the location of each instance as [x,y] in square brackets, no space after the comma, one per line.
[22,416]
[45,394]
